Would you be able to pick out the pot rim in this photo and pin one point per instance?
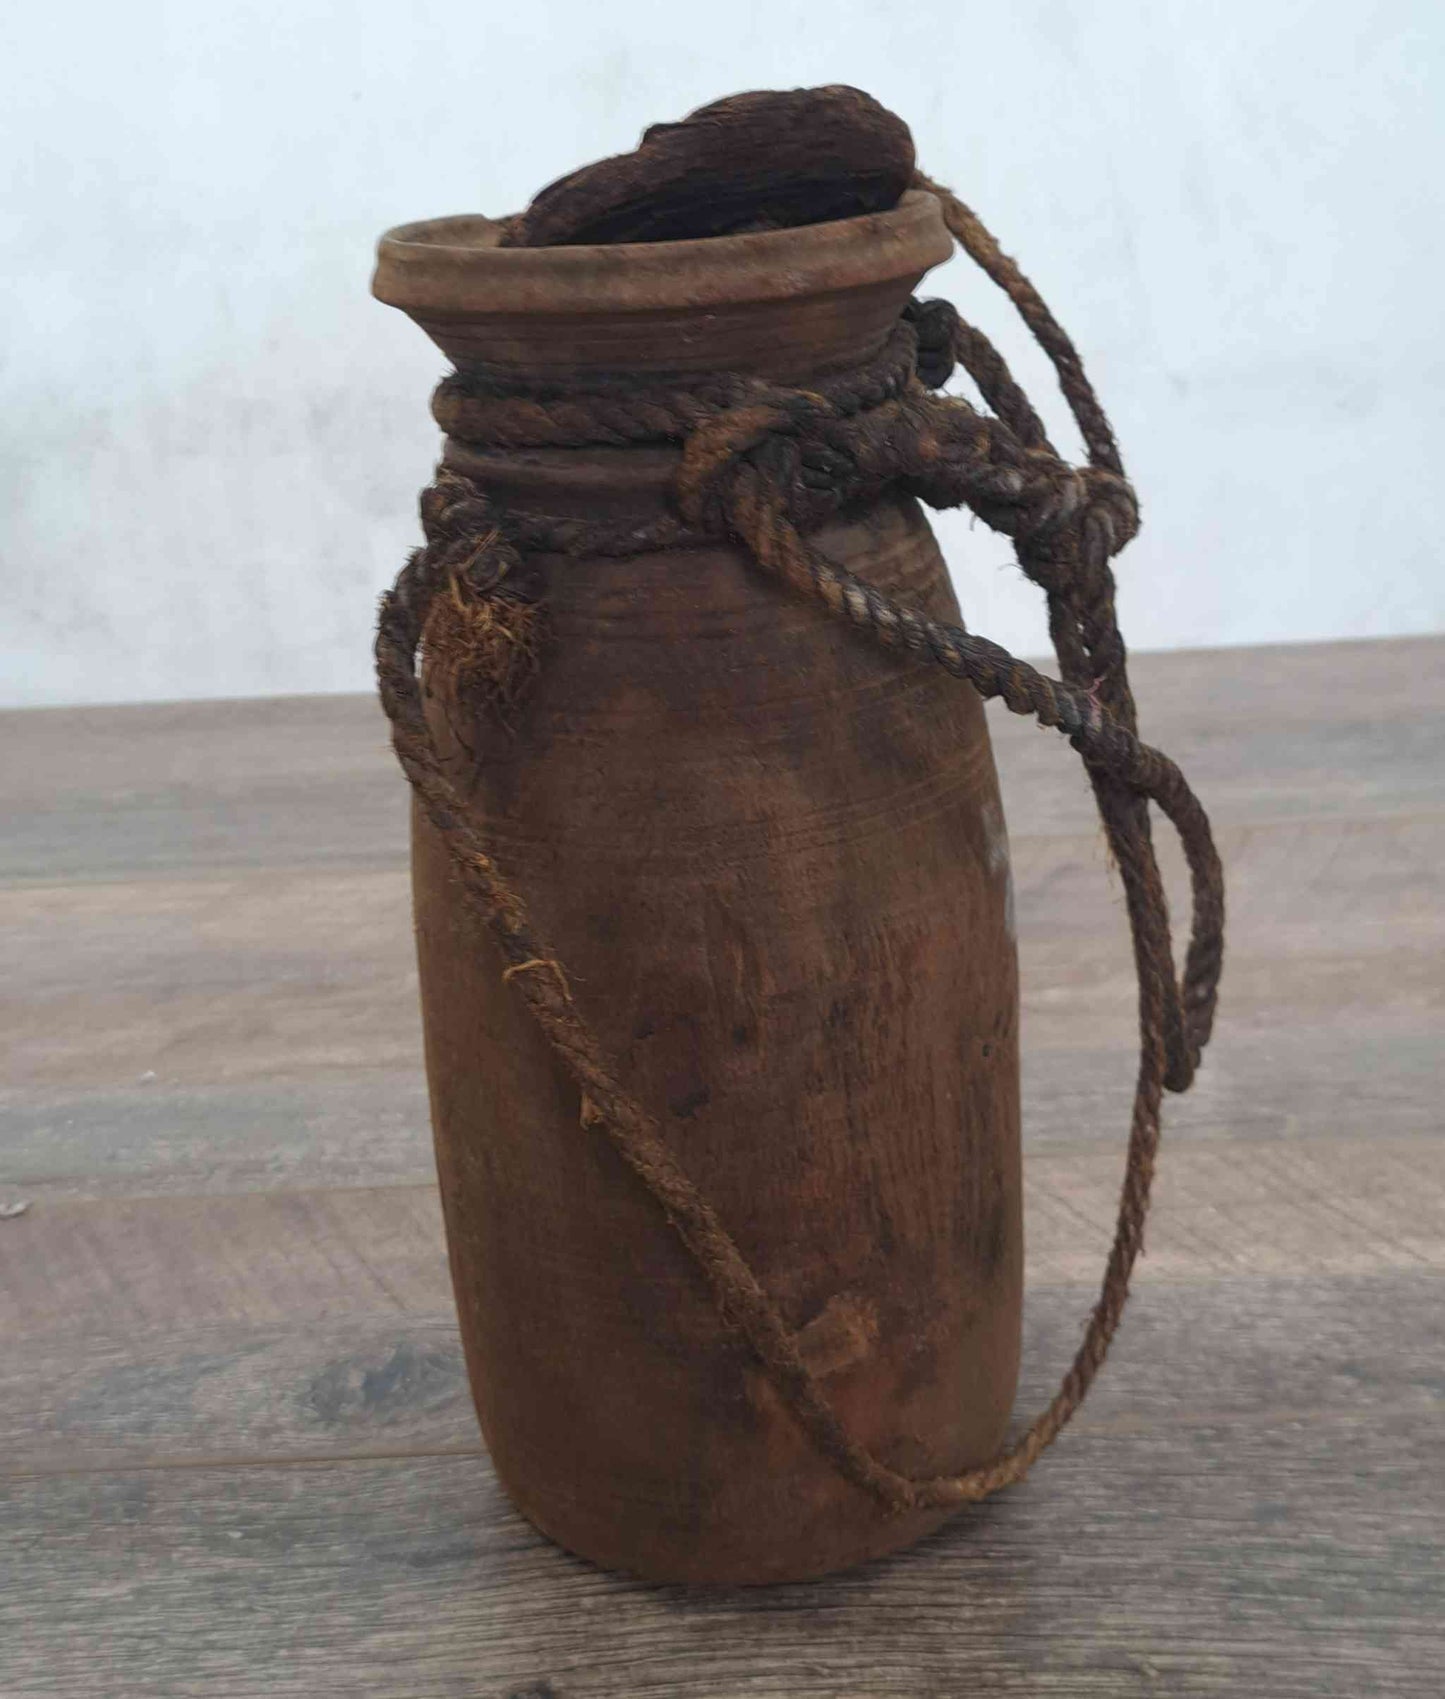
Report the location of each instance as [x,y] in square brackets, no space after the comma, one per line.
[453,267]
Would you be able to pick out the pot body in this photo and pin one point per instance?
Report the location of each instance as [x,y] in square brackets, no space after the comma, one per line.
[772,859]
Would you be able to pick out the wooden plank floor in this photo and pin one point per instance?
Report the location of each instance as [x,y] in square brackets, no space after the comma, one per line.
[237,1455]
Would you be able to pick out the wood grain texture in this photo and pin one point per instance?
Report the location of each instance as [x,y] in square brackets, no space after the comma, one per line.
[259,1028]
[1313,731]
[1197,1536]
[236,1451]
[1305,1205]
[378,1378]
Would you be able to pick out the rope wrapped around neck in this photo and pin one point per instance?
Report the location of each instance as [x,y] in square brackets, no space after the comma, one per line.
[764,465]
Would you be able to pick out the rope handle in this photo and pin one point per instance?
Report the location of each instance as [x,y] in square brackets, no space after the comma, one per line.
[739,465]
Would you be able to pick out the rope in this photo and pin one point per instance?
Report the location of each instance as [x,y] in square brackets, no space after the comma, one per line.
[764,465]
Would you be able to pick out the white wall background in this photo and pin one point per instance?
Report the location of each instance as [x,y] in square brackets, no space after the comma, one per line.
[212,437]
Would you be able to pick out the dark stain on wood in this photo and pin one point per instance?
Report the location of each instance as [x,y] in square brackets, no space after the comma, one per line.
[385,1389]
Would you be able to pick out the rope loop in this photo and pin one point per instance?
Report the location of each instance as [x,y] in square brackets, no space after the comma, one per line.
[764,465]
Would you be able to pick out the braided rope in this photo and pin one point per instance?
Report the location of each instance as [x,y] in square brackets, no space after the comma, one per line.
[763,464]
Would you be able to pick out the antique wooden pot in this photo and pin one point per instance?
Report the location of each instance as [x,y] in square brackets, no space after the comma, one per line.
[773,859]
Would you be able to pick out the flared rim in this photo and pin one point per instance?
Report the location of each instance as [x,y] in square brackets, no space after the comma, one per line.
[456,267]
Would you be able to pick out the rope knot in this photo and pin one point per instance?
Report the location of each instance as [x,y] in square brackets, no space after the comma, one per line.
[778,434]
[1112,507]
[935,324]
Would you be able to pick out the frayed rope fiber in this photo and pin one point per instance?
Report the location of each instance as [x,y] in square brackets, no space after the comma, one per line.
[763,465]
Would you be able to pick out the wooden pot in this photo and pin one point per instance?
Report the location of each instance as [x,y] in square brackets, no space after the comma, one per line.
[772,858]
